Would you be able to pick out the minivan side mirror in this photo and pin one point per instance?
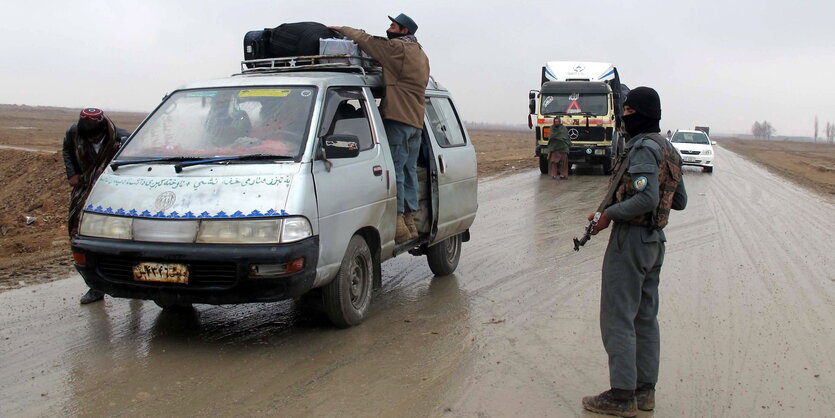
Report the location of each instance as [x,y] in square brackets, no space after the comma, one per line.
[341,146]
[712,142]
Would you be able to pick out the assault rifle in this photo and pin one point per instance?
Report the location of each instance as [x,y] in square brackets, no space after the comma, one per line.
[579,242]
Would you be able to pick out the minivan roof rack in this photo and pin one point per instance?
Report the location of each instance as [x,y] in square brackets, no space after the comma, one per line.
[347,63]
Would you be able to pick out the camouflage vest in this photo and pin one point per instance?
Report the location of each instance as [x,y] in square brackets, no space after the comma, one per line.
[669,176]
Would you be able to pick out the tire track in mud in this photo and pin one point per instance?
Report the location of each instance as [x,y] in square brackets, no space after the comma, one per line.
[757,332]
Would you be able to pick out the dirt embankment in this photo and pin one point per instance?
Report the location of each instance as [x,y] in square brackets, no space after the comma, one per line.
[35,186]
[811,164]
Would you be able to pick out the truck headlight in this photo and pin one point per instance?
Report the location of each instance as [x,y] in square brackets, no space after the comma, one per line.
[105,226]
[707,152]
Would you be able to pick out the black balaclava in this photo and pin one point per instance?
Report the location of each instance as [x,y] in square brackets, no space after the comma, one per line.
[394,35]
[647,106]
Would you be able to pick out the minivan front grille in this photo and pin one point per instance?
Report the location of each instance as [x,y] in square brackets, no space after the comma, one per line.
[688,152]
[201,273]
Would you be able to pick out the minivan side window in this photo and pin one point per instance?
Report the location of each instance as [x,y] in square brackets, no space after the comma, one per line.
[346,113]
[444,122]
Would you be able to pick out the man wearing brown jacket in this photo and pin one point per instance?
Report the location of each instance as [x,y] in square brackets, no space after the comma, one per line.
[406,74]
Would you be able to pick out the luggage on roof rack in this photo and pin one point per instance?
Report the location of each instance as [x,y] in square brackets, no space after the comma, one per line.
[286,40]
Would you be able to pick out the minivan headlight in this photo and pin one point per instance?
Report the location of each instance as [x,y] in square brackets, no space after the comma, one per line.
[707,152]
[104,226]
[296,229]
[249,231]
[254,231]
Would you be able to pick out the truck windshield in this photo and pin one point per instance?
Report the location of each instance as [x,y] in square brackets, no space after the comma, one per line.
[580,103]
[226,122]
[690,138]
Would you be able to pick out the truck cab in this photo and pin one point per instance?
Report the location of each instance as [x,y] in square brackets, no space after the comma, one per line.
[271,184]
[588,97]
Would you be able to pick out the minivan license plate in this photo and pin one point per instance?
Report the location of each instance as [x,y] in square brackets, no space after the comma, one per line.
[161,272]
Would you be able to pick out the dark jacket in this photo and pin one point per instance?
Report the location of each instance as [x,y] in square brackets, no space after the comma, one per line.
[405,74]
[79,154]
[558,140]
[80,158]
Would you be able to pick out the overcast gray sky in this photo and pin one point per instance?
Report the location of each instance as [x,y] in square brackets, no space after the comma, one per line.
[719,63]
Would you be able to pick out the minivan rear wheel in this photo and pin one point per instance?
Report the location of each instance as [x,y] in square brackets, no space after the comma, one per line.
[443,257]
[347,297]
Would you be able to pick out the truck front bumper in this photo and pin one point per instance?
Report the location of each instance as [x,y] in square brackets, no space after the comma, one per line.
[592,154]
[218,274]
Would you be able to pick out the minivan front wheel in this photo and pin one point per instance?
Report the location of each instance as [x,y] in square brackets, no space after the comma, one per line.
[347,297]
[443,257]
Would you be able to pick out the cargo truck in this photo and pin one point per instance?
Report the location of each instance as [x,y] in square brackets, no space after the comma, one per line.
[588,96]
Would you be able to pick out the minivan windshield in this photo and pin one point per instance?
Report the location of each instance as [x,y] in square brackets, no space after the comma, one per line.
[690,138]
[575,103]
[226,122]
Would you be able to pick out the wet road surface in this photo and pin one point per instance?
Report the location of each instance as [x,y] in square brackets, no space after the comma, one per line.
[747,322]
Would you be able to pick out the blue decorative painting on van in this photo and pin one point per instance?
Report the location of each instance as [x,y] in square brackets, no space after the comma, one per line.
[188,215]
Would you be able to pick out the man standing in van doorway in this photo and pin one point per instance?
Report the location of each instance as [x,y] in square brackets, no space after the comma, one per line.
[89,145]
[406,74]
[649,187]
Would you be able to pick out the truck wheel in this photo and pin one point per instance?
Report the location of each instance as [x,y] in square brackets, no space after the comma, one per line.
[543,164]
[607,166]
[347,297]
[443,257]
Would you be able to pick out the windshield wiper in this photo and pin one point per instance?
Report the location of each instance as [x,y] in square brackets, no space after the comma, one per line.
[116,164]
[179,166]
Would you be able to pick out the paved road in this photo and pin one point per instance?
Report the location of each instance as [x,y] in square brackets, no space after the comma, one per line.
[747,317]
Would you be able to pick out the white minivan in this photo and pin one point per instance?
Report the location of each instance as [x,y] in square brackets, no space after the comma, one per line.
[270,184]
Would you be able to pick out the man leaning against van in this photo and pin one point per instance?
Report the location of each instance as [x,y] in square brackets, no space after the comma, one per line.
[405,73]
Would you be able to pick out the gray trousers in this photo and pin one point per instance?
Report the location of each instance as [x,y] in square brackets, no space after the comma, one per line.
[629,305]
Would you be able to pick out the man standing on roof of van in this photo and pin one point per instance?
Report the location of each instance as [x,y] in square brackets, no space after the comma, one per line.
[89,145]
[406,74]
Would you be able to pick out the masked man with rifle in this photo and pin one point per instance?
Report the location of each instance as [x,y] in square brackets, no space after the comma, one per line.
[646,184]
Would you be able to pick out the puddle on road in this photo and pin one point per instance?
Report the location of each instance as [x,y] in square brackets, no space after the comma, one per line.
[130,357]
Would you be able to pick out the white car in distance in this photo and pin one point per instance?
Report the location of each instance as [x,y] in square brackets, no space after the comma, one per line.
[695,148]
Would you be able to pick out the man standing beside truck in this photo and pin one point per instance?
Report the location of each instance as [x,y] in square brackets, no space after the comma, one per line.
[89,145]
[558,146]
[647,189]
[406,74]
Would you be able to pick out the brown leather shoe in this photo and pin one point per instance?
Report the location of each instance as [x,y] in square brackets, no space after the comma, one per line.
[401,234]
[409,219]
[645,399]
[605,403]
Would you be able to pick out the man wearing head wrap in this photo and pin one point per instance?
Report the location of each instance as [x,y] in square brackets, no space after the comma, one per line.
[650,187]
[406,74]
[89,145]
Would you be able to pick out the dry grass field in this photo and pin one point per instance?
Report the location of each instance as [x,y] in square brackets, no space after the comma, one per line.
[34,183]
[808,163]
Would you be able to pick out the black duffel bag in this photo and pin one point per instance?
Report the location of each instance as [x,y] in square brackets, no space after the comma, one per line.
[287,40]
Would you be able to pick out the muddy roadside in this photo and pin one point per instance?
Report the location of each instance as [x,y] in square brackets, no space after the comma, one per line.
[34,196]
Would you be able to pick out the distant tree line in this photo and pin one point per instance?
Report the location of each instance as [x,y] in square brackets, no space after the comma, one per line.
[763,130]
